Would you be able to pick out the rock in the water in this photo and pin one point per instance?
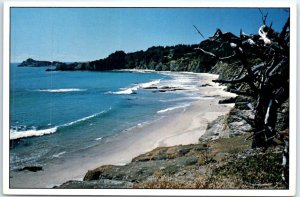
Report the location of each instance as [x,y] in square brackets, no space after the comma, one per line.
[32,168]
[49,69]
[205,85]
[36,63]
[150,88]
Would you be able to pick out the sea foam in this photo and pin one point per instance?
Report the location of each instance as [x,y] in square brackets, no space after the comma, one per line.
[173,108]
[149,84]
[58,154]
[14,134]
[132,90]
[127,91]
[83,119]
[17,134]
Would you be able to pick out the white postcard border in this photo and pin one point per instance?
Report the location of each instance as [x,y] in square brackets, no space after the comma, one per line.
[147,192]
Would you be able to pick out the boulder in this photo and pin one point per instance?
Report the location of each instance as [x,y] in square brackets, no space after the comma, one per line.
[32,168]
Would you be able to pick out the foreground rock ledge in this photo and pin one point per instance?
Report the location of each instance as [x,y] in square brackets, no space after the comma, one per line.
[225,163]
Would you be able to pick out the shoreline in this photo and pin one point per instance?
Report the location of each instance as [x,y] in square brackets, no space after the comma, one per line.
[180,126]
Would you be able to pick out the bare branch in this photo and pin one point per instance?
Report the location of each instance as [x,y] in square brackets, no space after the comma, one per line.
[206,52]
[271,25]
[241,72]
[263,17]
[250,121]
[199,32]
[284,29]
[228,57]
[257,67]
[250,75]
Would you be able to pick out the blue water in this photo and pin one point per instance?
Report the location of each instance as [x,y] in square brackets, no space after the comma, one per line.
[73,111]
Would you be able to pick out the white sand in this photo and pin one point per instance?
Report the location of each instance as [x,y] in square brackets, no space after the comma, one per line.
[180,126]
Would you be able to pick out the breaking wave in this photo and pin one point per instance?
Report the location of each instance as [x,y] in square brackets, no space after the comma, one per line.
[127,91]
[133,90]
[23,132]
[15,134]
[149,84]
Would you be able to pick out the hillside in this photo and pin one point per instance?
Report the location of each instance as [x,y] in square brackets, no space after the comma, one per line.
[190,58]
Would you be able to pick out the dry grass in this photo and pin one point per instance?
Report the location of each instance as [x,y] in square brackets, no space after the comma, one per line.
[231,145]
[258,171]
[201,182]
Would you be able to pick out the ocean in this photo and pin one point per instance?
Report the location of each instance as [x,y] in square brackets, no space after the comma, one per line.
[59,114]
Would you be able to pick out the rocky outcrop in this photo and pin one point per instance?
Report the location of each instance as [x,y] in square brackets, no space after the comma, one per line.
[36,63]
[221,163]
[97,184]
[31,168]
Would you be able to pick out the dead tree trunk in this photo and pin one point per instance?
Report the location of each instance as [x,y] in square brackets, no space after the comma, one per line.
[269,81]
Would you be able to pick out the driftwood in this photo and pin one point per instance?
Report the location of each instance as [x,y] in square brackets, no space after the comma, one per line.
[268,81]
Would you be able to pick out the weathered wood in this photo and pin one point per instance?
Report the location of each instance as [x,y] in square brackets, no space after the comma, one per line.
[199,32]
[268,81]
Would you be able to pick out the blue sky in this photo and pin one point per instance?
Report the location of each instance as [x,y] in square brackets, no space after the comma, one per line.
[83,34]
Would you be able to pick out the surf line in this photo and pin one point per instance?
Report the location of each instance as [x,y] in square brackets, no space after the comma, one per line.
[15,134]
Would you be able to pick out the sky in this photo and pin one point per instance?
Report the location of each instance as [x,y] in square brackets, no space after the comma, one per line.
[85,34]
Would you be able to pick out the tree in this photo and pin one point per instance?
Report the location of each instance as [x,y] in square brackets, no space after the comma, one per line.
[268,82]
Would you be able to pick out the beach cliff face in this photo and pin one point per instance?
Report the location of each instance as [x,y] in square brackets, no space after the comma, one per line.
[227,155]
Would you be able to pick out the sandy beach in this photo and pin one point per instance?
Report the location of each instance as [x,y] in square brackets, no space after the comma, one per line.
[179,126]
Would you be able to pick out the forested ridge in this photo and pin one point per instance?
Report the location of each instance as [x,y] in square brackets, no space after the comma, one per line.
[170,58]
